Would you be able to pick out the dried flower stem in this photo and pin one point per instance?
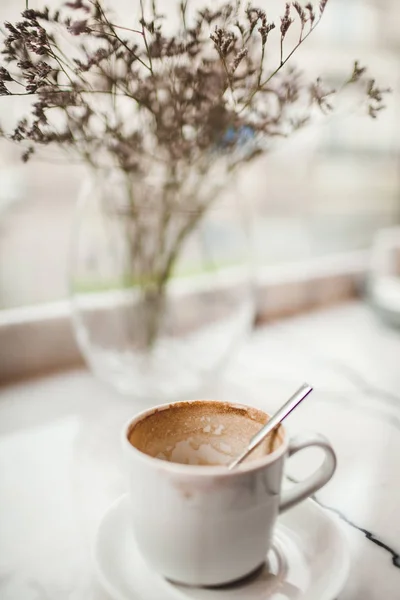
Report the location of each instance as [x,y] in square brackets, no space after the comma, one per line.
[260,86]
[183,10]
[142,20]
[117,37]
[126,29]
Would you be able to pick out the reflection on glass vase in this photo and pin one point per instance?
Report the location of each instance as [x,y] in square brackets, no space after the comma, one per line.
[161,288]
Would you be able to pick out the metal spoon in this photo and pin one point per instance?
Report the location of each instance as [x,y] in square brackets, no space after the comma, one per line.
[278,417]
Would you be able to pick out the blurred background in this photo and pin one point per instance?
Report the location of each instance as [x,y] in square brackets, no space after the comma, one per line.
[326,191]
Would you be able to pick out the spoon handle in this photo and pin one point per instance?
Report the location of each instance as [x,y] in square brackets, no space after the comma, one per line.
[275,420]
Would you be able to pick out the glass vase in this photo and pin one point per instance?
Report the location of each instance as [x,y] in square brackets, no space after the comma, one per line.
[161,290]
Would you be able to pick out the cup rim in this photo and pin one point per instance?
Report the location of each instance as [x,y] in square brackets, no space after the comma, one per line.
[204,470]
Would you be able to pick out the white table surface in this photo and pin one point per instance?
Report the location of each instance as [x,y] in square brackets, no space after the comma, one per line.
[61,467]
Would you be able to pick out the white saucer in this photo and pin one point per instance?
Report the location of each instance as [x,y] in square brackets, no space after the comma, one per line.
[309,561]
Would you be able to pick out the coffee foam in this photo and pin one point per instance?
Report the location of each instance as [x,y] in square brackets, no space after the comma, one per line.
[201,433]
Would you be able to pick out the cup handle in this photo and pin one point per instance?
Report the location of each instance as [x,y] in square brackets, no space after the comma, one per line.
[317,480]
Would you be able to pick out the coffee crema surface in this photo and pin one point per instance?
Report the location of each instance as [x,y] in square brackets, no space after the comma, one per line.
[207,433]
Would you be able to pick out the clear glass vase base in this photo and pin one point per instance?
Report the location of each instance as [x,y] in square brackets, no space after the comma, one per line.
[177,367]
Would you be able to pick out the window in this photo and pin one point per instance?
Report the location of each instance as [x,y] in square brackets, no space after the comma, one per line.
[327,190]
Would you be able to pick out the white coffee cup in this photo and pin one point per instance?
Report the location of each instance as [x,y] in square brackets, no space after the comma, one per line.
[206,525]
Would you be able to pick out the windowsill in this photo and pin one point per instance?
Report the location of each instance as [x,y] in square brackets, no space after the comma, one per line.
[39,339]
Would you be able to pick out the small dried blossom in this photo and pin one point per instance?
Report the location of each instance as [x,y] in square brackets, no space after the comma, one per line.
[33,15]
[4,75]
[300,11]
[375,98]
[30,34]
[237,59]
[254,15]
[27,154]
[222,14]
[79,27]
[78,5]
[320,95]
[264,31]
[224,40]
[357,73]
[322,5]
[3,90]
[286,21]
[311,14]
